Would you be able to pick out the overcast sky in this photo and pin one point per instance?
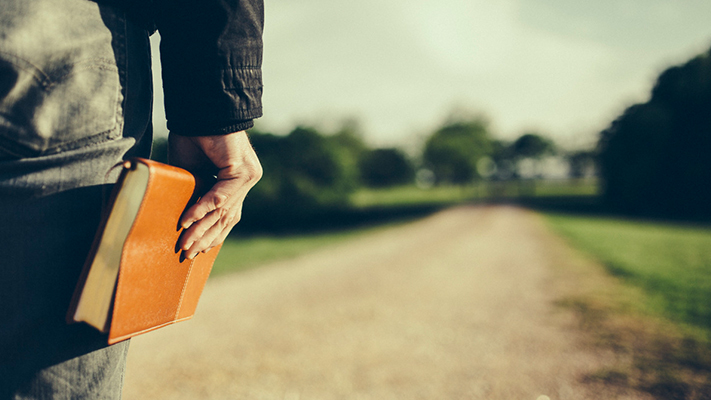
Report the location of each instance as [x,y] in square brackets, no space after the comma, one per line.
[561,67]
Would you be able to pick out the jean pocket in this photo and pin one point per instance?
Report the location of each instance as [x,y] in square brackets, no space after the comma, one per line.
[45,113]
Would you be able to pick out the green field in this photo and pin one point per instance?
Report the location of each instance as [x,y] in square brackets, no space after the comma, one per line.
[410,195]
[671,262]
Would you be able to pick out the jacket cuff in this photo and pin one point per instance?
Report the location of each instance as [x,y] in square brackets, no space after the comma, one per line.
[210,129]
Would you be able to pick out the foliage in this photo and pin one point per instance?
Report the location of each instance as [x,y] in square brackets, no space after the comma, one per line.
[351,146]
[582,163]
[654,157]
[501,150]
[304,172]
[350,136]
[453,151]
[510,157]
[385,167]
[532,145]
[504,158]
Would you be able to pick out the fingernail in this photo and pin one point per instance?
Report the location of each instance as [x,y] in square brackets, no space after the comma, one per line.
[186,225]
[188,245]
[191,256]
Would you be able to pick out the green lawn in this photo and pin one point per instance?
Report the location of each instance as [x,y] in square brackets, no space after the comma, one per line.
[671,262]
[410,194]
[572,187]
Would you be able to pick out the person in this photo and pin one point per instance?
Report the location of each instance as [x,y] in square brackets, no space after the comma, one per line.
[75,100]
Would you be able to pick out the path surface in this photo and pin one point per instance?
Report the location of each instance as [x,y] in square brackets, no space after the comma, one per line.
[455,306]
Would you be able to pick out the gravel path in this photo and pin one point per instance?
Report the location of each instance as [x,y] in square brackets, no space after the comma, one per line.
[455,306]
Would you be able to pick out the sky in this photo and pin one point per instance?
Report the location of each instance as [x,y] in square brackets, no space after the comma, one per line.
[563,68]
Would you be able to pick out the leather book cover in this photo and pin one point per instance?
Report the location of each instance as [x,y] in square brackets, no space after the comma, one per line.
[156,286]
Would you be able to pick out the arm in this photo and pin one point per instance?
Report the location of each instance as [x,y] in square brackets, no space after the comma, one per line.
[211,55]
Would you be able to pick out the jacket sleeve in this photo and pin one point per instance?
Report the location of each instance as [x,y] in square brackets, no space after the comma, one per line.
[211,58]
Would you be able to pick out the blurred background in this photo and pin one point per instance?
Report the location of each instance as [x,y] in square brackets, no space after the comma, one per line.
[506,98]
[595,114]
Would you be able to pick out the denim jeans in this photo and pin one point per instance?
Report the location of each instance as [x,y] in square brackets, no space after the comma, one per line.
[75,100]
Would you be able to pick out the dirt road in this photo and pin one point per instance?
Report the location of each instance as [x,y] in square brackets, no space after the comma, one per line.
[455,306]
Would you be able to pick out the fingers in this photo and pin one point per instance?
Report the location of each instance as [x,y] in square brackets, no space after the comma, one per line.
[215,199]
[208,222]
[211,219]
[212,236]
[198,230]
[226,231]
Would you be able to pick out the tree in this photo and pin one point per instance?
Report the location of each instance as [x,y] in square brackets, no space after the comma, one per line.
[581,163]
[351,146]
[654,157]
[504,159]
[304,173]
[532,145]
[386,167]
[453,151]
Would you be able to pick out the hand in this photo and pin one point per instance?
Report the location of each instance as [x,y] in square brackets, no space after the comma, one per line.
[231,157]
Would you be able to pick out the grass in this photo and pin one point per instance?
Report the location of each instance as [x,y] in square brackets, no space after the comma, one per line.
[412,195]
[638,291]
[672,263]
[567,187]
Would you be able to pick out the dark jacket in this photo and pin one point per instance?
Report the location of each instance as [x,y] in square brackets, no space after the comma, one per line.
[211,57]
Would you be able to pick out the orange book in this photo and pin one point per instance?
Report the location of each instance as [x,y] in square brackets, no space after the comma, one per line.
[135,279]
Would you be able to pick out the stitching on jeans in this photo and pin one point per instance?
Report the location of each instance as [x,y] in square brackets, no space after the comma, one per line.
[47,80]
[38,74]
[121,58]
[83,65]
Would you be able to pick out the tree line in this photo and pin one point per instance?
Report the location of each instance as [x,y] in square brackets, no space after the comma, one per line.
[308,171]
[654,158]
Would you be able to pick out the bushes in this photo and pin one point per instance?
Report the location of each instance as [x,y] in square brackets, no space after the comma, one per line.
[305,173]
[385,167]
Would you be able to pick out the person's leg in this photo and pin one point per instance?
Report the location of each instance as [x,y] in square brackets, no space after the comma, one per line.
[41,357]
[74,101]
[95,375]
